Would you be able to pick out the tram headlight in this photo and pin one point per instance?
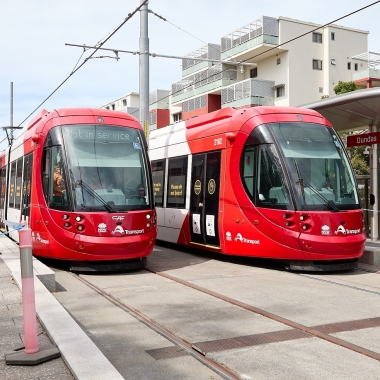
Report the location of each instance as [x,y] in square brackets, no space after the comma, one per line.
[148,216]
[148,225]
[65,217]
[67,225]
[80,228]
[78,218]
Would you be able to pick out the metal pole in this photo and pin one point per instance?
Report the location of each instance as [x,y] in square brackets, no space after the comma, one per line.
[374,188]
[11,132]
[144,67]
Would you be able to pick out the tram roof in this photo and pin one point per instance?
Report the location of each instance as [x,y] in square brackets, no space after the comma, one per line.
[350,111]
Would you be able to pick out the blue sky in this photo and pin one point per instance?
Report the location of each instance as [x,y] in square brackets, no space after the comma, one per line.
[34,57]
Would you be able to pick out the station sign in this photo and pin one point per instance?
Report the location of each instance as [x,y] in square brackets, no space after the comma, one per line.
[364,139]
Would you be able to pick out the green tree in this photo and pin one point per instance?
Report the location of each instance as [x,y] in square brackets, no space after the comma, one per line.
[359,161]
[343,87]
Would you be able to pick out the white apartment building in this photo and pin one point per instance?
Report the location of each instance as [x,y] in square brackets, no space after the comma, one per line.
[285,71]
[128,103]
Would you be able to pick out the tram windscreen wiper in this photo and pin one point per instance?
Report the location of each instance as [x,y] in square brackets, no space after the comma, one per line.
[96,196]
[329,203]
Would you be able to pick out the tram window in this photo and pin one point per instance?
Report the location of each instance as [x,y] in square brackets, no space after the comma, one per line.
[18,183]
[271,188]
[12,185]
[158,174]
[176,186]
[54,179]
[27,185]
[2,195]
[248,170]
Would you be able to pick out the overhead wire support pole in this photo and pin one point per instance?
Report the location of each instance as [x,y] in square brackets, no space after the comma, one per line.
[144,68]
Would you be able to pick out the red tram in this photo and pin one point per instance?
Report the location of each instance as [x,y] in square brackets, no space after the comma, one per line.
[81,179]
[270,182]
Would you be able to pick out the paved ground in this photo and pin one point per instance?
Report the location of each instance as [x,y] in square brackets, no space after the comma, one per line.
[98,340]
[12,335]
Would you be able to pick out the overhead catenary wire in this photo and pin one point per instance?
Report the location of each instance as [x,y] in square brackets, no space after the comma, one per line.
[130,15]
[194,82]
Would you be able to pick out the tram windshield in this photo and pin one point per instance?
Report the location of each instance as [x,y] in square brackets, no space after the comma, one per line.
[106,167]
[319,175]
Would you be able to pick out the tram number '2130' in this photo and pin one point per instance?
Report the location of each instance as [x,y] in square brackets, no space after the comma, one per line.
[218,141]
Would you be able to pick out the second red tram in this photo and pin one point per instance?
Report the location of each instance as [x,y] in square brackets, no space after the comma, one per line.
[270,182]
[81,180]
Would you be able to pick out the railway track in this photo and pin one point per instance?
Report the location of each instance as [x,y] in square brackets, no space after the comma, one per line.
[204,351]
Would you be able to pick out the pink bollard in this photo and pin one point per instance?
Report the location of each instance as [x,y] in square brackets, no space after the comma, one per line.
[28,295]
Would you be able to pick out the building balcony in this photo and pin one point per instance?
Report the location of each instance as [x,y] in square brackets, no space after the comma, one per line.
[248,92]
[159,99]
[370,76]
[208,81]
[192,64]
[251,36]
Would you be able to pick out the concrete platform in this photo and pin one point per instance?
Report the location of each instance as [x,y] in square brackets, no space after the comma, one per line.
[371,254]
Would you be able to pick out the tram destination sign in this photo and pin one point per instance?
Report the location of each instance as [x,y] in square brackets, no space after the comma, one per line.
[364,139]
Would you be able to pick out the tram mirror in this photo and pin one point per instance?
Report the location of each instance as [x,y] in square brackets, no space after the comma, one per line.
[371,199]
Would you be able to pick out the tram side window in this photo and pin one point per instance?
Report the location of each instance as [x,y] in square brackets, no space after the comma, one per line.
[54,179]
[12,185]
[176,187]
[18,183]
[158,174]
[2,195]
[273,192]
[27,185]
[248,170]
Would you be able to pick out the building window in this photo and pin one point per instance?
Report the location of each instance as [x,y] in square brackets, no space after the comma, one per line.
[332,36]
[321,90]
[278,61]
[107,108]
[317,37]
[317,64]
[349,65]
[113,106]
[280,91]
[253,72]
[333,62]
[177,117]
[356,67]
[124,102]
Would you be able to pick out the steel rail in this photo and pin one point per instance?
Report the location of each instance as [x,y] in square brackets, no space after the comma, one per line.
[220,370]
[277,318]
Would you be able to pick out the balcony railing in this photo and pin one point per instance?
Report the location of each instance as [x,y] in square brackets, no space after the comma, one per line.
[206,81]
[159,99]
[247,92]
[260,31]
[192,64]
[366,73]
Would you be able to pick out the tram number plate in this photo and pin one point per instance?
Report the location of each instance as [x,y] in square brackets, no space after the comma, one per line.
[218,141]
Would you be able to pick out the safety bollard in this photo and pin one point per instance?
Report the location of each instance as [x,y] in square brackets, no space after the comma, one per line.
[30,354]
[28,295]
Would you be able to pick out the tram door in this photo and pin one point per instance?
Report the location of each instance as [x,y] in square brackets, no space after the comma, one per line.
[204,198]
